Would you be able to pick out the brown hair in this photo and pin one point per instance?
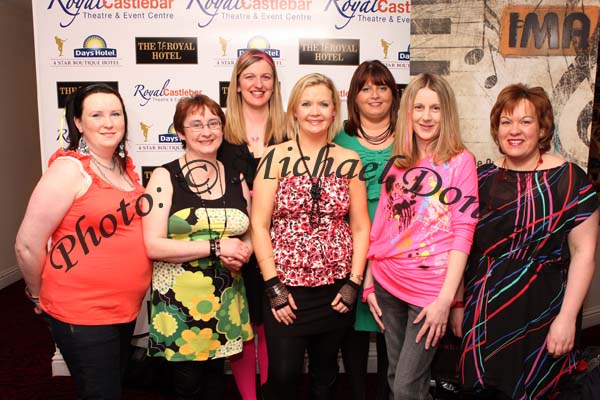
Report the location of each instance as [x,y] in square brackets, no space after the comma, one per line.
[235,129]
[74,110]
[513,95]
[188,105]
[378,74]
[448,143]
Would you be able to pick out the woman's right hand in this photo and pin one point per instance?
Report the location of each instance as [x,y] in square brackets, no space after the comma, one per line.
[456,319]
[286,314]
[375,310]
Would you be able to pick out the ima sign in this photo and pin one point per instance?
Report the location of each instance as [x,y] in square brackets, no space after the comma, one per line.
[547,31]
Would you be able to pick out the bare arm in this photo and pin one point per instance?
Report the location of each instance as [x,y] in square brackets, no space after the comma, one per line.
[155,225]
[51,199]
[360,226]
[235,263]
[582,245]
[265,188]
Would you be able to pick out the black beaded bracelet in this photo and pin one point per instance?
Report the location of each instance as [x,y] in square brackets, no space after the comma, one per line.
[213,248]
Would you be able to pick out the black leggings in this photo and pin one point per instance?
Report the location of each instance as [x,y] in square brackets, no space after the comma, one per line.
[286,358]
[355,353]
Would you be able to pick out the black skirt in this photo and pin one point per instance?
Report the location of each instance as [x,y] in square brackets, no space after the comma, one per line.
[314,314]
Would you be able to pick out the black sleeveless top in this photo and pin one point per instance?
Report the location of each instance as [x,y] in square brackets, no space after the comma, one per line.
[185,197]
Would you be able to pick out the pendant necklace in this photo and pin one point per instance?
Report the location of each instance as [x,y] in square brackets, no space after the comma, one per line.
[203,202]
[378,138]
[315,185]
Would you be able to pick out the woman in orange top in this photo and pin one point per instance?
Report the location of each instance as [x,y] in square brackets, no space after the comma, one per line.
[90,283]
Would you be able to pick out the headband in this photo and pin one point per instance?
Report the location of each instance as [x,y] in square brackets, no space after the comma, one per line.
[260,55]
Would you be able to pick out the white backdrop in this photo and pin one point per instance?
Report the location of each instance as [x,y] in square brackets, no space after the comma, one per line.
[157,51]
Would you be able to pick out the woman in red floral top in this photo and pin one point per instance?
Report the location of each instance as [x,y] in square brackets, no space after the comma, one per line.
[311,258]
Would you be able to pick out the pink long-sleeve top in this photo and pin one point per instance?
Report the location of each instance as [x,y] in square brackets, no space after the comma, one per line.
[423,213]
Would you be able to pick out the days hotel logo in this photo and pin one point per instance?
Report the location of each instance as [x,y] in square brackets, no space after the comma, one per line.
[94,46]
[167,141]
[255,42]
[93,53]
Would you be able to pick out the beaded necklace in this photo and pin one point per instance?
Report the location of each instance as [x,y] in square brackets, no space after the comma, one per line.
[315,186]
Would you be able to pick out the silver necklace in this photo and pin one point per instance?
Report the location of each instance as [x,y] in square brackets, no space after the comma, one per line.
[111,168]
[131,186]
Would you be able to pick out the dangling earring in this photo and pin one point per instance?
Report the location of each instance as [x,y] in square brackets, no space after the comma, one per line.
[121,150]
[83,147]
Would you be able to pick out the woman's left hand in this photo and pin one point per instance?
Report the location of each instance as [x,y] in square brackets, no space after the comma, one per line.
[561,336]
[338,306]
[436,319]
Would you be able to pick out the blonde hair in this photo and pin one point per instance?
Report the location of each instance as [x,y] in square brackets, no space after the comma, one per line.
[448,142]
[235,127]
[303,83]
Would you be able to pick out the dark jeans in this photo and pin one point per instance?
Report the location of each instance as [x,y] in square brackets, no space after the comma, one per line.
[286,358]
[95,354]
[199,379]
[355,353]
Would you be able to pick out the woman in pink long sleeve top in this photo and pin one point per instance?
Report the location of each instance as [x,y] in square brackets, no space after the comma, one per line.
[421,234]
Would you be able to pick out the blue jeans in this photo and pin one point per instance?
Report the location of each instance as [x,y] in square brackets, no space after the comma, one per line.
[409,362]
[95,354]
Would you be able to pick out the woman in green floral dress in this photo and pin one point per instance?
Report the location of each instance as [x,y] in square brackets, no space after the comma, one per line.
[196,231]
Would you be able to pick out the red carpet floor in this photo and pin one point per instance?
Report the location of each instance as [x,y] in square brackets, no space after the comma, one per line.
[26,351]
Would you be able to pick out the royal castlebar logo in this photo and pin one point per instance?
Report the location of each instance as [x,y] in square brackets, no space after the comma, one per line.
[112,10]
[370,11]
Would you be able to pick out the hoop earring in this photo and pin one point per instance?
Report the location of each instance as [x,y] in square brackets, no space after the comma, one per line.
[83,147]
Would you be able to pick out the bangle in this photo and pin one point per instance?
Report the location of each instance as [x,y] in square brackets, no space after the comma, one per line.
[366,292]
[356,276]
[457,304]
[35,300]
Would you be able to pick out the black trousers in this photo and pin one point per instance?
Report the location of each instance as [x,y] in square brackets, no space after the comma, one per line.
[199,379]
[286,358]
[355,354]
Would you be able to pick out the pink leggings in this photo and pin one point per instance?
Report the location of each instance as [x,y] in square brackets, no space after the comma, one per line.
[243,365]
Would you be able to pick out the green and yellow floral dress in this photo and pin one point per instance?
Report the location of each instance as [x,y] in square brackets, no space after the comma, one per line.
[199,309]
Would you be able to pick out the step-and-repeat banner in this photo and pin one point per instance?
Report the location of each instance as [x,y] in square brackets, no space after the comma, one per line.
[157,51]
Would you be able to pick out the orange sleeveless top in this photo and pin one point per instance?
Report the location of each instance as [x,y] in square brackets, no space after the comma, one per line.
[96,271]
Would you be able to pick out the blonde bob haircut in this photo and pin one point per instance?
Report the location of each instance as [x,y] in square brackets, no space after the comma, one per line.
[448,142]
[297,91]
[235,127]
